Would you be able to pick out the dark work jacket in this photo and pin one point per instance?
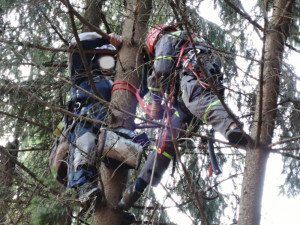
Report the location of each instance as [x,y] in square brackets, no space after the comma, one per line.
[167,50]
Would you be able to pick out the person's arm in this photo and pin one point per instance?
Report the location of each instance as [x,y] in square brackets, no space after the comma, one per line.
[115,39]
[163,66]
[162,69]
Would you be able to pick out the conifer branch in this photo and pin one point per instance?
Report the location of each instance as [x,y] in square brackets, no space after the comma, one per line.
[24,168]
[26,120]
[54,108]
[284,141]
[40,47]
[55,29]
[244,14]
[84,21]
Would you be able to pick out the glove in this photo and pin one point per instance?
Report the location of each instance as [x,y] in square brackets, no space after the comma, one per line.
[156,110]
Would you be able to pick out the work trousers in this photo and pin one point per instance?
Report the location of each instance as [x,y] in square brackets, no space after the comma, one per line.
[204,105]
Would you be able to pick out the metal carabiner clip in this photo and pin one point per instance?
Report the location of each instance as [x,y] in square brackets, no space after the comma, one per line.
[77,106]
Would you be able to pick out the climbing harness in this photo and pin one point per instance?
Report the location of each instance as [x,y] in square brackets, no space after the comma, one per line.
[190,62]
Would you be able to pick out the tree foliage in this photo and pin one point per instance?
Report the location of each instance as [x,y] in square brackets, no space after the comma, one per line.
[34,40]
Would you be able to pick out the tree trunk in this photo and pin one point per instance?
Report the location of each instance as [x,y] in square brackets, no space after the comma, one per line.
[256,159]
[7,174]
[129,69]
[92,13]
[131,58]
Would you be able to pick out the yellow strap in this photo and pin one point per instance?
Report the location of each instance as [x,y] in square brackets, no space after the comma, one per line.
[175,34]
[164,57]
[167,155]
[153,89]
[59,128]
[208,109]
[164,153]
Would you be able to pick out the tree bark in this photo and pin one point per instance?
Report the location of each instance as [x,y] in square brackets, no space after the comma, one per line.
[256,159]
[7,174]
[129,69]
[92,14]
[130,61]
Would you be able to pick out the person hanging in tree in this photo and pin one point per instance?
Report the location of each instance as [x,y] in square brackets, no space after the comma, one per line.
[177,74]
[83,136]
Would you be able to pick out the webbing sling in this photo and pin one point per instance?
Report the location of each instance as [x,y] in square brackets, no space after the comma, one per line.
[130,87]
[145,107]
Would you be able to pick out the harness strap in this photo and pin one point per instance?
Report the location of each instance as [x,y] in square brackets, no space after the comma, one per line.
[130,87]
[162,149]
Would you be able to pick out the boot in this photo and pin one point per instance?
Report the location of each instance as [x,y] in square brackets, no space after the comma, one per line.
[235,136]
[129,198]
[128,218]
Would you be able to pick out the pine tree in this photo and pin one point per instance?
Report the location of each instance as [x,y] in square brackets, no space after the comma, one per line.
[34,37]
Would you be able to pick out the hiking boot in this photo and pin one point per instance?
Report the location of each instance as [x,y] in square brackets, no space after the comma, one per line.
[128,218]
[88,192]
[235,136]
[129,198]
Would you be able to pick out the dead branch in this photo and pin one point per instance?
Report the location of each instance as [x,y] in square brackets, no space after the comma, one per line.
[287,155]
[285,141]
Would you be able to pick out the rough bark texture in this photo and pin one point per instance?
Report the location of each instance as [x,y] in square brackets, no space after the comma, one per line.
[256,159]
[7,174]
[114,180]
[129,69]
[131,58]
[92,13]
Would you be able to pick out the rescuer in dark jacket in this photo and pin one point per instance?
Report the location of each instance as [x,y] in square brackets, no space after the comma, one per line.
[177,75]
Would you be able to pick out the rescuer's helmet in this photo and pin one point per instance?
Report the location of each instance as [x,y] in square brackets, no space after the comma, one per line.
[153,36]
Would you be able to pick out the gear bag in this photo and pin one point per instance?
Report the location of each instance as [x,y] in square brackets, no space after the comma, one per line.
[121,149]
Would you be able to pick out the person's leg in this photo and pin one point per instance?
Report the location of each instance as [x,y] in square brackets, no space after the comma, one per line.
[205,105]
[155,166]
[83,173]
[216,116]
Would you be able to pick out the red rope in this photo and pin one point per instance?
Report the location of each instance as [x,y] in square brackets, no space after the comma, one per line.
[130,87]
[162,149]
